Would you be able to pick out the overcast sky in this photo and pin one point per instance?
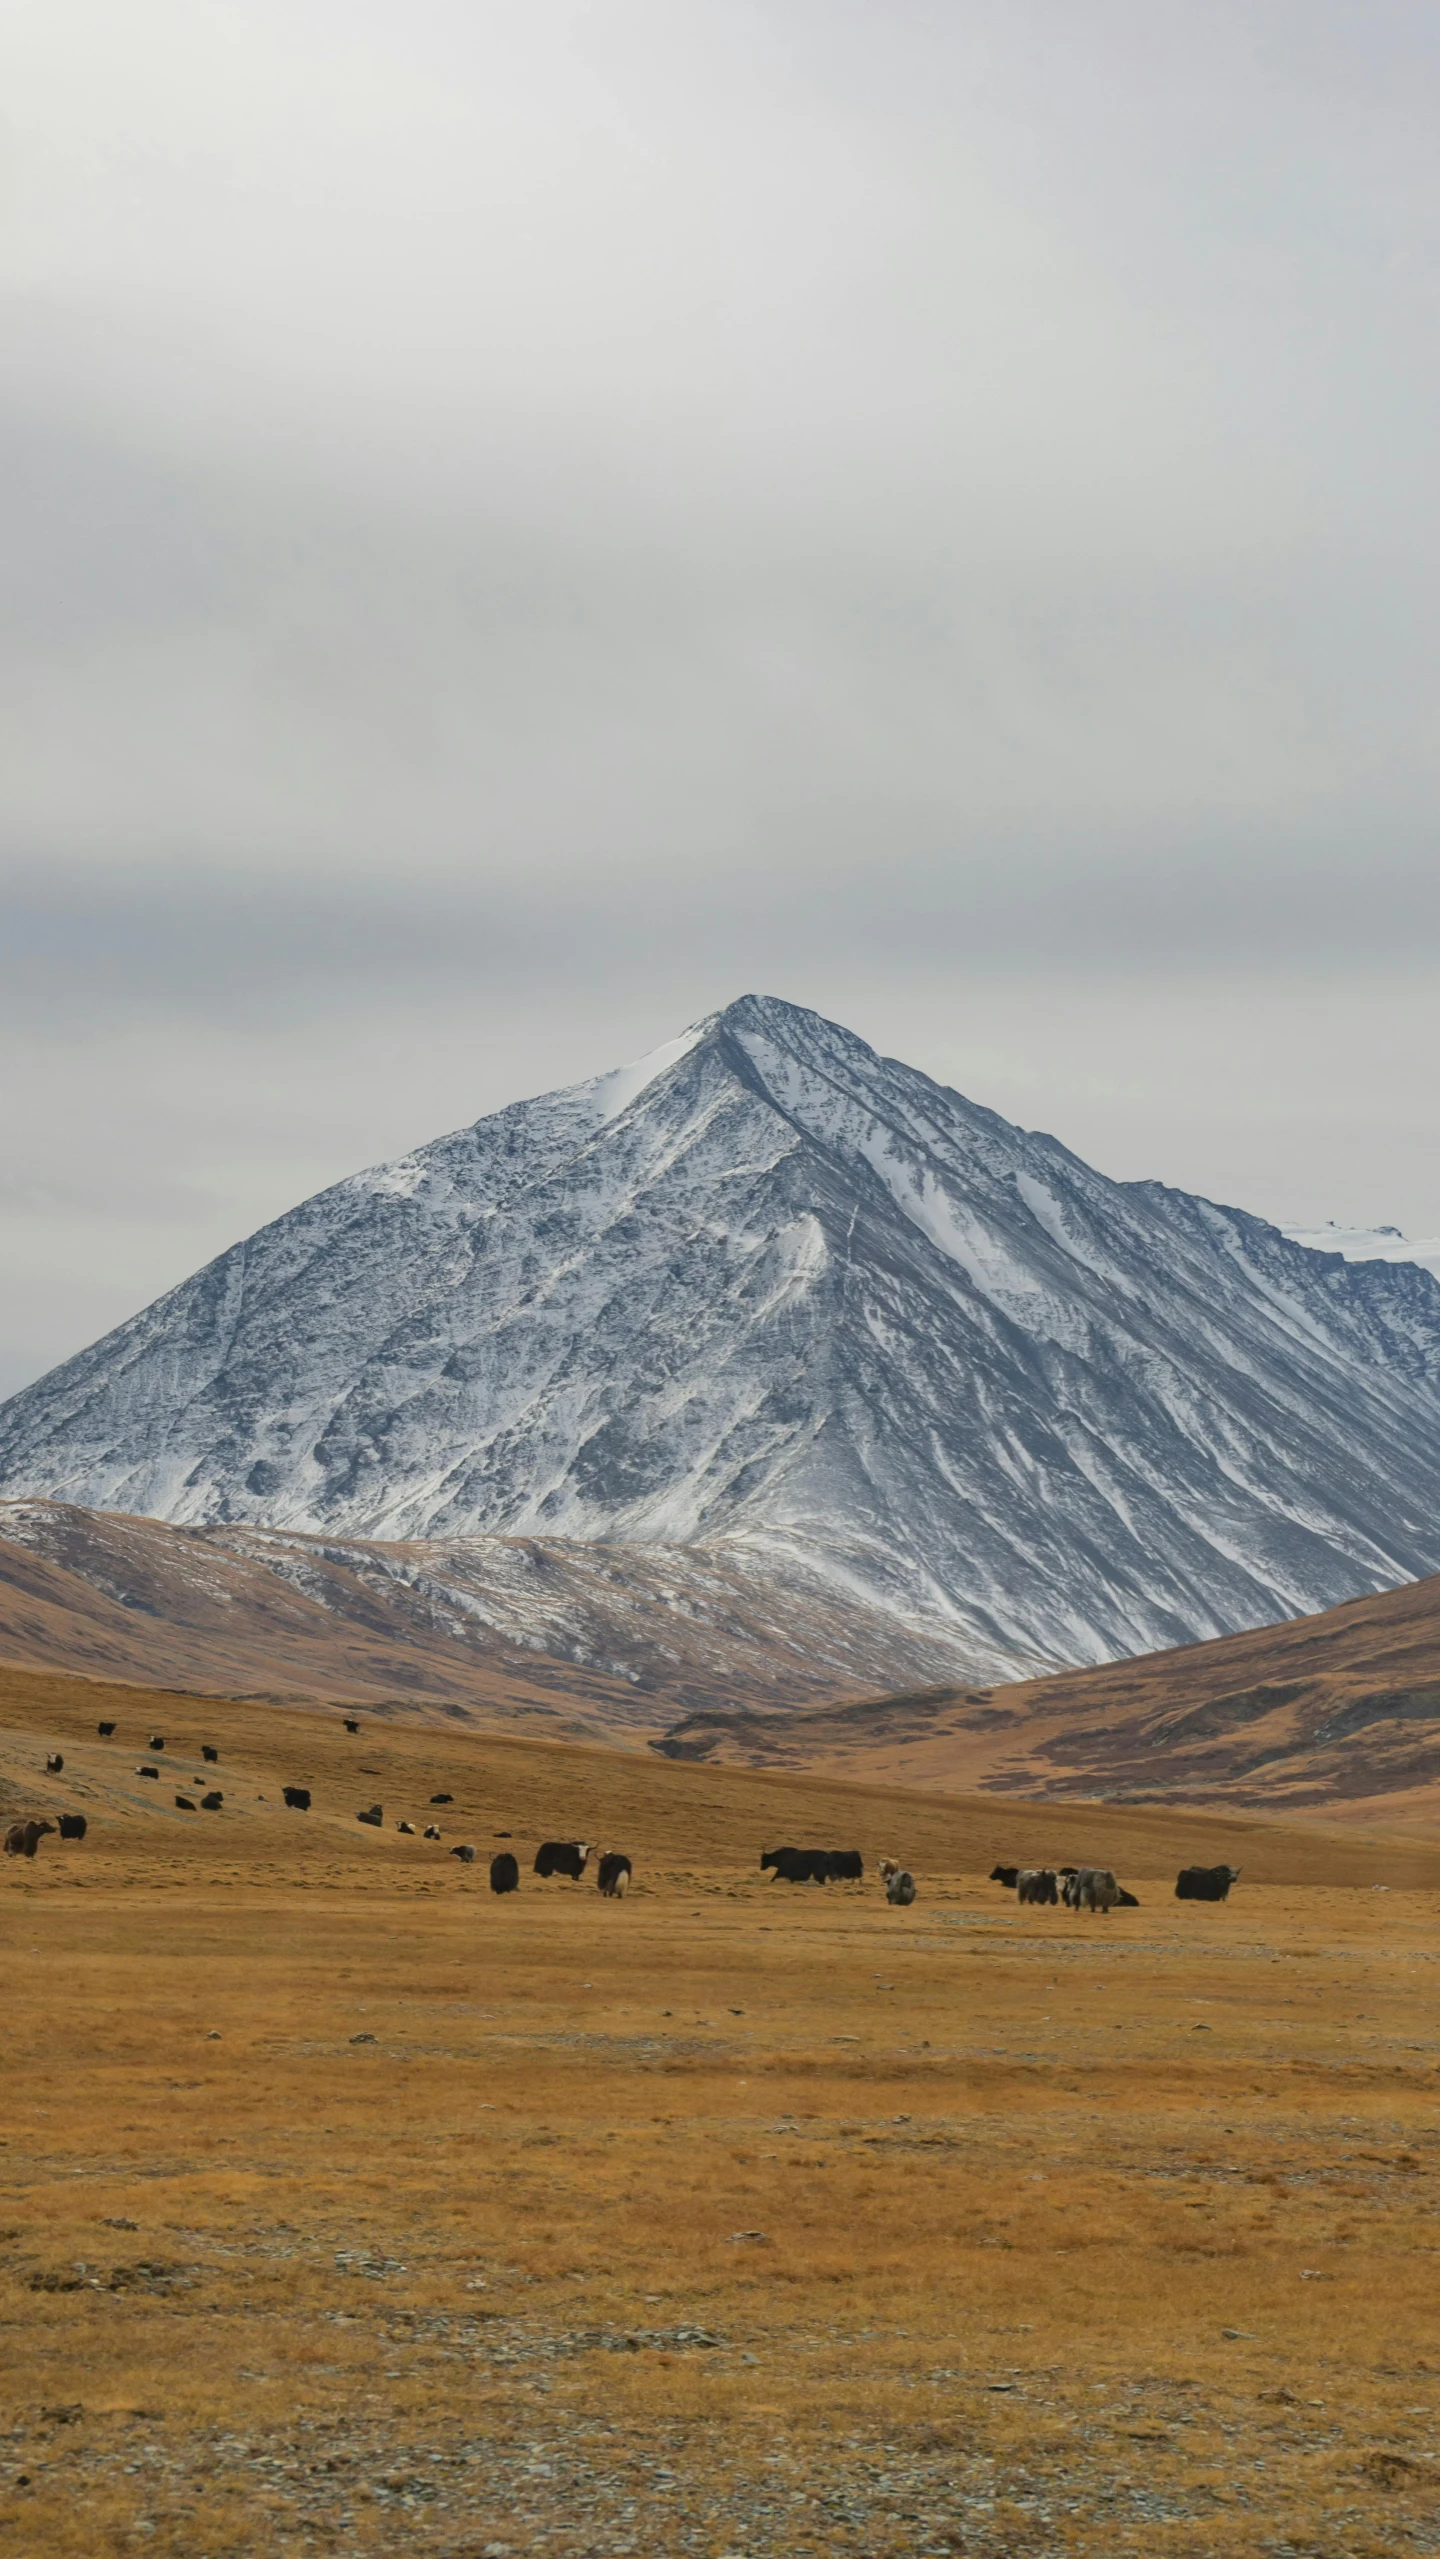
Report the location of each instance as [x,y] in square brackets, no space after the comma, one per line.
[523,523]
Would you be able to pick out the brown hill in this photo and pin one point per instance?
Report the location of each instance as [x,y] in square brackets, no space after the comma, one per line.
[1337,1714]
[547,1633]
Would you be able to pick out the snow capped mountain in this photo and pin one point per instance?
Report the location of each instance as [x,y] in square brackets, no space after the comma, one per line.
[766,1285]
[1369,1244]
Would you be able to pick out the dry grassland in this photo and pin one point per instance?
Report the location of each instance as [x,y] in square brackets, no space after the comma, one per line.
[347,2207]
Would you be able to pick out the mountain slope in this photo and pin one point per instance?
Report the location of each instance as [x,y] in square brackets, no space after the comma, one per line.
[1336,1715]
[769,1286]
[610,1640]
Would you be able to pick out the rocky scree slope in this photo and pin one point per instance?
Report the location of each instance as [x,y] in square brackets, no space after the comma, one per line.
[766,1285]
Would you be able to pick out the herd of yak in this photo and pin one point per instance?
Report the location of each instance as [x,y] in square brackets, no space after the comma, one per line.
[1089,1888]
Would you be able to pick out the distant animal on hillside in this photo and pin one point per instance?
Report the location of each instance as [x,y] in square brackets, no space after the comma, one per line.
[466,1854]
[23,1838]
[54,1763]
[614,1875]
[1006,1875]
[212,1802]
[156,1742]
[1205,1883]
[407,1827]
[147,1772]
[374,1819]
[183,1804]
[504,1871]
[442,1799]
[1037,1884]
[352,1724]
[562,1857]
[297,1798]
[104,1731]
[73,1825]
[847,1866]
[432,1830]
[209,1751]
[899,1883]
[797,1865]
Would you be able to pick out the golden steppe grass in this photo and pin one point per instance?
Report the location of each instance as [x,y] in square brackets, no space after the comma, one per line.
[732,2217]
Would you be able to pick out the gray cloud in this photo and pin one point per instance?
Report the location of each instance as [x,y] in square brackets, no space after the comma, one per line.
[522,524]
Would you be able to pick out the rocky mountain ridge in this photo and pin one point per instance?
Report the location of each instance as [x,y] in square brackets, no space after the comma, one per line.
[767,1287]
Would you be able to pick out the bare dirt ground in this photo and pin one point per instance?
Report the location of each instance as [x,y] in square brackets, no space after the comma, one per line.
[344,2206]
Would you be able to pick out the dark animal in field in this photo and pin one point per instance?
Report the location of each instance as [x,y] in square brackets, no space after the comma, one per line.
[73,1825]
[209,1751]
[466,1854]
[104,1731]
[614,1875]
[351,1724]
[1037,1884]
[156,1742]
[847,1866]
[1205,1883]
[23,1838]
[442,1799]
[798,1865]
[504,1871]
[183,1804]
[54,1763]
[297,1798]
[562,1857]
[432,1830]
[1006,1875]
[147,1772]
[407,1827]
[1126,1901]
[899,1884]
[375,1818]
[212,1802]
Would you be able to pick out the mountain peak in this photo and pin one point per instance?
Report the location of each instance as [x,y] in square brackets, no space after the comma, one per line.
[763,1284]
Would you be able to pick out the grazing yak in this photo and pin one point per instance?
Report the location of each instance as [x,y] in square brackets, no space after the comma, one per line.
[432,1830]
[1009,1876]
[562,1857]
[73,1825]
[209,1751]
[1205,1883]
[374,1819]
[212,1802]
[442,1799]
[614,1875]
[23,1838]
[297,1798]
[104,1731]
[504,1870]
[1037,1884]
[466,1854]
[352,1724]
[899,1883]
[147,1772]
[156,1742]
[1091,1888]
[406,1828]
[53,1764]
[183,1804]
[798,1865]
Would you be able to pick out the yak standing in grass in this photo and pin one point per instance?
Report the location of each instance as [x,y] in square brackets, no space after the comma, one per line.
[614,1875]
[504,1871]
[1205,1883]
[562,1857]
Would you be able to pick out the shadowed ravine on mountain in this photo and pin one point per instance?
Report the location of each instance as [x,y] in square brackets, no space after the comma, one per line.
[769,1288]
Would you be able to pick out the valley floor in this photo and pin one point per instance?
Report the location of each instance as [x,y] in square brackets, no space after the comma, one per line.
[346,2207]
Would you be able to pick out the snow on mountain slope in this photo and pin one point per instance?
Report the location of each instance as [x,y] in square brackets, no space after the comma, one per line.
[782,1290]
[1370,1244]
